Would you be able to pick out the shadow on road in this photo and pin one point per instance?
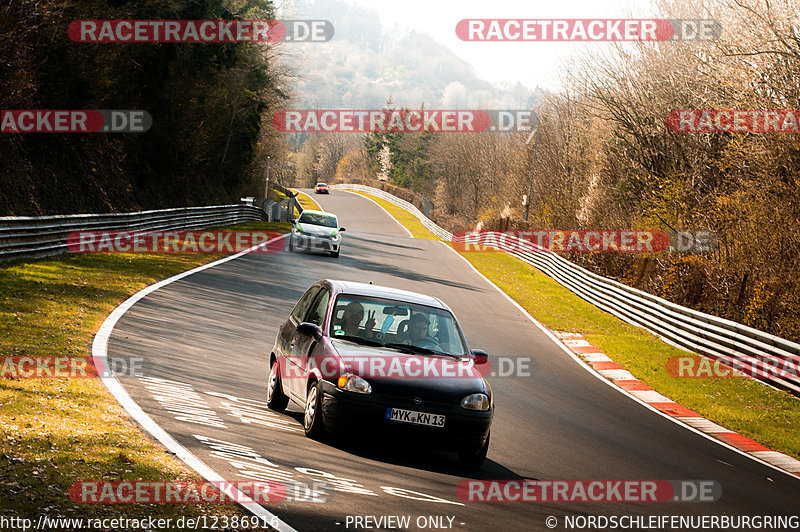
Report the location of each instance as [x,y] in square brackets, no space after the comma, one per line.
[413,453]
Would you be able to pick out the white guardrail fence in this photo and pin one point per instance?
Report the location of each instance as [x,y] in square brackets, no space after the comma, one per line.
[768,358]
[22,236]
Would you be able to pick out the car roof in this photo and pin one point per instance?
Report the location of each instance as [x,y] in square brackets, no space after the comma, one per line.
[309,211]
[364,289]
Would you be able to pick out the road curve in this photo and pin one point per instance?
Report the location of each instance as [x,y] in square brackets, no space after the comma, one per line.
[206,336]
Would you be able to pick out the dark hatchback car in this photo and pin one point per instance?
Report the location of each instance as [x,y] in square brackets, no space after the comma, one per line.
[363,359]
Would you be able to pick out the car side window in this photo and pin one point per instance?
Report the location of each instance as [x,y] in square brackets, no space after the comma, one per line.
[316,313]
[305,301]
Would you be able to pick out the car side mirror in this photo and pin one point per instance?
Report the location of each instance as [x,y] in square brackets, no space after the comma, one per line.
[480,357]
[342,229]
[293,220]
[311,330]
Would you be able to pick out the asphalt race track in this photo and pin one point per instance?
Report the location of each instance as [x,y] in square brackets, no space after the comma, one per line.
[209,334]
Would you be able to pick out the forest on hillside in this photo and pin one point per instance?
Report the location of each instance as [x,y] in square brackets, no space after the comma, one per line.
[367,64]
[210,105]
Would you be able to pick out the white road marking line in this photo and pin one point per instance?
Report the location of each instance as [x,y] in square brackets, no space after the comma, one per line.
[596,357]
[779,459]
[705,425]
[650,396]
[100,355]
[577,343]
[381,208]
[308,195]
[617,374]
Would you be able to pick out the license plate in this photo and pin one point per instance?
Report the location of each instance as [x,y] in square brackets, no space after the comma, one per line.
[416,418]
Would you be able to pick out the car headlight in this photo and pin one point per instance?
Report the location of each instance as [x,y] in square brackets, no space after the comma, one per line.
[354,383]
[335,236]
[476,401]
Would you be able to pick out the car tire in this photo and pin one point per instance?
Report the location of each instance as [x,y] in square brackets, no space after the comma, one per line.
[335,254]
[276,399]
[312,413]
[291,244]
[474,458]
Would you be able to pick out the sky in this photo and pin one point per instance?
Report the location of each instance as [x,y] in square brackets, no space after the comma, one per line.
[532,63]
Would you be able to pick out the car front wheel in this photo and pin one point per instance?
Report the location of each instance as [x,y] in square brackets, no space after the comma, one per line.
[474,458]
[312,418]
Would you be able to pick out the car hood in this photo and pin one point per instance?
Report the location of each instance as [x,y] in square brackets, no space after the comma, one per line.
[391,371]
[318,230]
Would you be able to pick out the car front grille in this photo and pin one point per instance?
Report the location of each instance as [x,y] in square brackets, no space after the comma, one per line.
[427,401]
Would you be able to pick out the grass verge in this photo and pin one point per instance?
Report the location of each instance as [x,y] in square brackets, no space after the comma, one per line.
[306,201]
[54,432]
[770,417]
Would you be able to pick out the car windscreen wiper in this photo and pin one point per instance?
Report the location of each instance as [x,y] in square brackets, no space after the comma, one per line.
[411,348]
[405,348]
[359,340]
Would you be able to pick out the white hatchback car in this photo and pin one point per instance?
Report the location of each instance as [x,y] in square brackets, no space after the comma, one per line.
[316,231]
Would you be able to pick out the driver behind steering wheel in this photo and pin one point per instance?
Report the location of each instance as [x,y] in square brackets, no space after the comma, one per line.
[418,333]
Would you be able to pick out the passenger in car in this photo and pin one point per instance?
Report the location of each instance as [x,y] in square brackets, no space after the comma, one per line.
[353,314]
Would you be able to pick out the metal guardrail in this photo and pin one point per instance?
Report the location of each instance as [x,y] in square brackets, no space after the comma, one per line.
[22,236]
[766,357]
[282,211]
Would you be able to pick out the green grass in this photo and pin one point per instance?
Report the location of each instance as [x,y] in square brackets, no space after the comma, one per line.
[54,432]
[276,195]
[768,416]
[307,202]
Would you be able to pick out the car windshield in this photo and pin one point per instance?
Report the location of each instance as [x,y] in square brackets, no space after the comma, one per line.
[397,324]
[325,220]
[321,185]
